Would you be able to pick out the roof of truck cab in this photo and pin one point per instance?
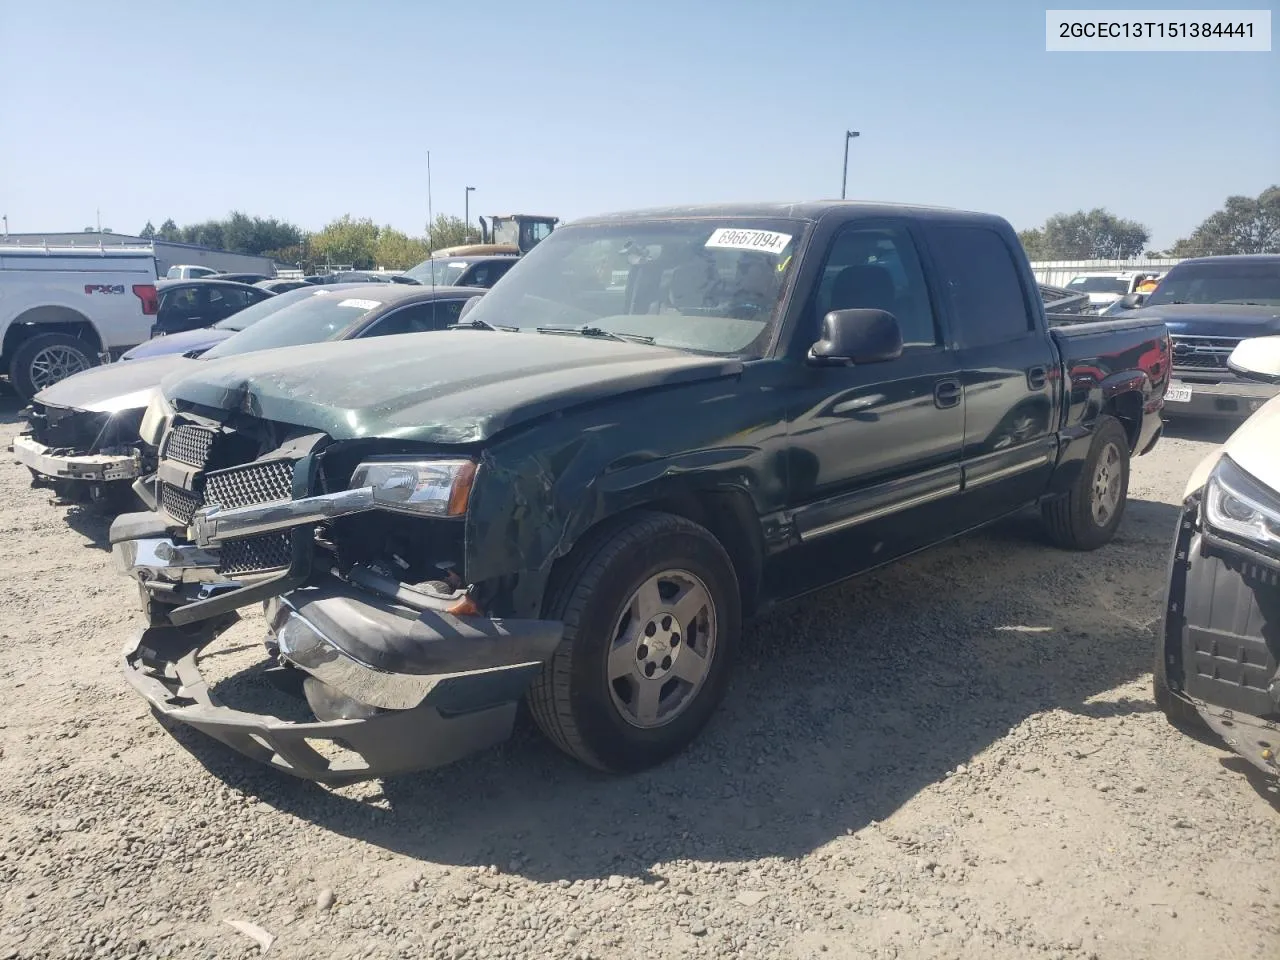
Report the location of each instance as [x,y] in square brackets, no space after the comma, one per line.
[1232,258]
[800,210]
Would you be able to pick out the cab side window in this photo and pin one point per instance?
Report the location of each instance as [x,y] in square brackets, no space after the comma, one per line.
[417,318]
[877,267]
[981,280]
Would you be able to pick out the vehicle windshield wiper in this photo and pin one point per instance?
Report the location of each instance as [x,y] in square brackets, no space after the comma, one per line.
[1248,303]
[590,331]
[482,325]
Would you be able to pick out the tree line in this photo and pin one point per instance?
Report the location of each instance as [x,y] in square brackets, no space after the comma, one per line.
[1243,225]
[347,240]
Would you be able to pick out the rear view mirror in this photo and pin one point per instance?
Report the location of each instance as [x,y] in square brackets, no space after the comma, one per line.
[467,307]
[857,336]
[1257,358]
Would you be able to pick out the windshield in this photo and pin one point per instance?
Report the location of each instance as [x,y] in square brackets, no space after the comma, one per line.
[320,316]
[1247,283]
[447,271]
[709,286]
[243,319]
[1098,285]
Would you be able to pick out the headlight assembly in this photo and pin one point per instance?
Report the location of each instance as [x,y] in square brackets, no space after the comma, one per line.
[435,488]
[155,419]
[1241,507]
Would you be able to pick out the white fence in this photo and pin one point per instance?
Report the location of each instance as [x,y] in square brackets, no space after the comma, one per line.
[1059,272]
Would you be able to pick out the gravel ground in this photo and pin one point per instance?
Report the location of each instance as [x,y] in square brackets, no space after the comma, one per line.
[958,757]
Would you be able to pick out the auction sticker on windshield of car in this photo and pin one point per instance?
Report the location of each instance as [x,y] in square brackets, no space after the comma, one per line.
[362,304]
[766,241]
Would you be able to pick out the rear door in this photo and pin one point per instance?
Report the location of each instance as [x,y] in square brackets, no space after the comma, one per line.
[1008,366]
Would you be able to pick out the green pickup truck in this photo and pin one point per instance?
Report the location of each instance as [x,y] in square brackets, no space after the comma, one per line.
[576,497]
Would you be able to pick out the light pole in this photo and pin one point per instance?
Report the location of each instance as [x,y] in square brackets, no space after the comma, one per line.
[466,214]
[848,135]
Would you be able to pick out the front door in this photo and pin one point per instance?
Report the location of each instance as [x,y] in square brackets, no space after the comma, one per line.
[873,450]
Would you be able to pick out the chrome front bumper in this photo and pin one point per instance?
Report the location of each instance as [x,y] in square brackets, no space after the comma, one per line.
[404,687]
[212,525]
[399,690]
[93,467]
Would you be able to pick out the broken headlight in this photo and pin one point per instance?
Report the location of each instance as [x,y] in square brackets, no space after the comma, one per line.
[436,488]
[155,419]
[1240,506]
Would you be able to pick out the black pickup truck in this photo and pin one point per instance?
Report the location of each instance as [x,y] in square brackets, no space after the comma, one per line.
[656,425]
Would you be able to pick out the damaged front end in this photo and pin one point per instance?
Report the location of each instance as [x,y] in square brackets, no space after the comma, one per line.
[357,553]
[1221,636]
[76,452]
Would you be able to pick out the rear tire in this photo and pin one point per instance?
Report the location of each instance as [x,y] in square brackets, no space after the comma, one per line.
[652,617]
[46,358]
[1087,517]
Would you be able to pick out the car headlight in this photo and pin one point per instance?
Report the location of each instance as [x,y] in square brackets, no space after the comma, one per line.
[437,488]
[155,420]
[1239,505]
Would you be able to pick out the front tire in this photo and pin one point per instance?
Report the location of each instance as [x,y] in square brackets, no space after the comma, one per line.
[652,617]
[43,360]
[1088,516]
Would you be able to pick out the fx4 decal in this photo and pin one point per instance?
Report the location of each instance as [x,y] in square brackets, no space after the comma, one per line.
[103,288]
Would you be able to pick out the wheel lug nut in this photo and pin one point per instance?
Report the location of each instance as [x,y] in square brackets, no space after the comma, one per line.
[642,652]
[648,669]
[650,630]
[666,663]
[666,623]
[675,639]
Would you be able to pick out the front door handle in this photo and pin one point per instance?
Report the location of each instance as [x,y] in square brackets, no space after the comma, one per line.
[1037,377]
[946,394]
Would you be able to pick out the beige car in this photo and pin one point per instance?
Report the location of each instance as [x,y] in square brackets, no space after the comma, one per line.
[1217,660]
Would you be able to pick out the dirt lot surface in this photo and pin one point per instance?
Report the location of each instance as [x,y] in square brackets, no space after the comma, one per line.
[955,758]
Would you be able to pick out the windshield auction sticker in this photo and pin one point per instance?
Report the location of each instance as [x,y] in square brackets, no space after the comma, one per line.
[362,304]
[1157,31]
[765,241]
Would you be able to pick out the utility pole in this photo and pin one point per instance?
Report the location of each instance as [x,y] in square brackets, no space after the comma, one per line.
[466,210]
[848,135]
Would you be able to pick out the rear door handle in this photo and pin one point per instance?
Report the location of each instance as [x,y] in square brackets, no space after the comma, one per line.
[1037,377]
[946,393]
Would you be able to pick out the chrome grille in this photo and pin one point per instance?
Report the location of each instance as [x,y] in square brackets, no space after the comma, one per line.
[190,445]
[254,554]
[255,483]
[1202,353]
[178,503]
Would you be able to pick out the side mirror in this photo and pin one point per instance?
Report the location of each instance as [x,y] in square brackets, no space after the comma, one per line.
[1257,358]
[857,336]
[468,306]
[1131,300]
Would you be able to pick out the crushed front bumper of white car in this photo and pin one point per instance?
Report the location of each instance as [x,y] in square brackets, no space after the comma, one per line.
[61,465]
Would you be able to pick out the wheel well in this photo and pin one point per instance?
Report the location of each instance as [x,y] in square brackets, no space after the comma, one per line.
[728,515]
[1127,408]
[49,320]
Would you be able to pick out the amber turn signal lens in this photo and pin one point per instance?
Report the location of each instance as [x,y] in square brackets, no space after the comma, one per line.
[466,607]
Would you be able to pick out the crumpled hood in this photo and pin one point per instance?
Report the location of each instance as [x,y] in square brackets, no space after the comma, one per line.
[113,386]
[1213,319]
[202,339]
[451,386]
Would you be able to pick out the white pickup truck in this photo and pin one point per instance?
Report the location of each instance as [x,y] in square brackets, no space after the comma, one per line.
[63,309]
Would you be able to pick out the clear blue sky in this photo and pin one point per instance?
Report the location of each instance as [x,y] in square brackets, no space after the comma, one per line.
[308,110]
